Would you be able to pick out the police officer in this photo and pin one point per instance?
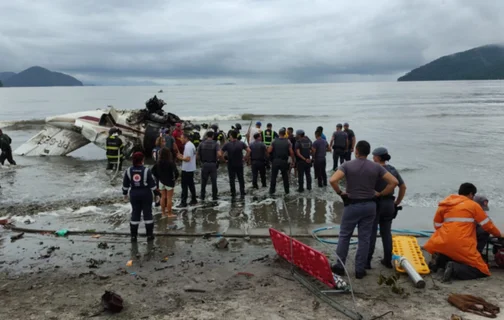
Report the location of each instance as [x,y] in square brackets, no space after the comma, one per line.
[303,151]
[196,136]
[209,153]
[114,147]
[258,158]
[385,209]
[5,147]
[218,134]
[359,197]
[339,144]
[319,150]
[140,183]
[237,127]
[234,149]
[280,151]
[351,141]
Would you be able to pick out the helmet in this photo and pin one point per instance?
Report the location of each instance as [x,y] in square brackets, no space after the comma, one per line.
[204,125]
[114,130]
[197,127]
[238,126]
[215,127]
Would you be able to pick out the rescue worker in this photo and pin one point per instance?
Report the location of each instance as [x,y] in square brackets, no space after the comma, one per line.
[386,209]
[453,244]
[196,136]
[269,135]
[209,153]
[339,145]
[280,150]
[140,183]
[258,159]
[319,150]
[114,149]
[237,127]
[303,150]
[218,134]
[361,176]
[252,132]
[234,149]
[5,147]
[292,139]
[177,136]
[322,135]
[482,236]
[351,141]
[188,168]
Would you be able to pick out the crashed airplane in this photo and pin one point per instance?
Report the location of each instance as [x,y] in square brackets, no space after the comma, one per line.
[66,133]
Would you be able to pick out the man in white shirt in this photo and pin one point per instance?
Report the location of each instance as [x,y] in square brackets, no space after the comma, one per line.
[188,169]
[252,131]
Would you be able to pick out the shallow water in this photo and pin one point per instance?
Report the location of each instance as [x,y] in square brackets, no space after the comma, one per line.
[439,134]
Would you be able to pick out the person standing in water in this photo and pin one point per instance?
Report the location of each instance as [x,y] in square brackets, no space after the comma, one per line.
[321,130]
[351,141]
[280,151]
[139,182]
[303,151]
[386,209]
[188,168]
[5,147]
[166,173]
[359,197]
[234,149]
[319,150]
[209,153]
[339,145]
[258,159]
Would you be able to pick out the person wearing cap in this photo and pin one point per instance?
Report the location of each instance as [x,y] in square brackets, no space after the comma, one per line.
[234,149]
[196,136]
[303,150]
[209,153]
[385,209]
[114,150]
[188,168]
[280,150]
[351,141]
[319,150]
[177,136]
[482,236]
[237,127]
[269,135]
[453,245]
[5,147]
[339,145]
[219,135]
[139,182]
[361,177]
[258,159]
[257,129]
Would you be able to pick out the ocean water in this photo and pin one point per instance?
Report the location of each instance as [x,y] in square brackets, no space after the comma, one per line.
[439,134]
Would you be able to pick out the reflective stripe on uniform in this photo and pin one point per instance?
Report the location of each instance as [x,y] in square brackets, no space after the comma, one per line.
[146,172]
[148,221]
[128,173]
[458,220]
[485,221]
[125,189]
[437,224]
[134,222]
[112,148]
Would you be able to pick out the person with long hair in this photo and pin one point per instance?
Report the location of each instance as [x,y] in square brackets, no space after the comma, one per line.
[160,144]
[139,182]
[166,174]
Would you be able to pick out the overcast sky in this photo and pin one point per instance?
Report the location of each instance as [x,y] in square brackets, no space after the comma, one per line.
[244,41]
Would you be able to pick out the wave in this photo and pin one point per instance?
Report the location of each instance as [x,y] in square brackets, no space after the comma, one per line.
[462,115]
[248,117]
[22,124]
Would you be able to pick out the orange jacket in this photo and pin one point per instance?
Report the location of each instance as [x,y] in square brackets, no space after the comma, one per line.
[455,234]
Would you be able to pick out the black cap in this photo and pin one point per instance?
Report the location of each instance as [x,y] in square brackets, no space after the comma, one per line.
[269,125]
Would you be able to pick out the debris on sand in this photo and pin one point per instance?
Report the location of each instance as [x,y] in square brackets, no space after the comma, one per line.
[103,245]
[61,233]
[93,264]
[189,289]
[163,268]
[96,236]
[112,302]
[4,222]
[247,274]
[17,236]
[129,263]
[261,258]
[222,243]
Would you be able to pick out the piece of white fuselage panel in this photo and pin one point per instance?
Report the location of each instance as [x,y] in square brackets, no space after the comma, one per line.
[52,141]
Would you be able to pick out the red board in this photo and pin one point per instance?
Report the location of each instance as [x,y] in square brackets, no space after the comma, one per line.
[304,257]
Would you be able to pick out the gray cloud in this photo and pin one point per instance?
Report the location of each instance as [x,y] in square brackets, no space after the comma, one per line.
[242,40]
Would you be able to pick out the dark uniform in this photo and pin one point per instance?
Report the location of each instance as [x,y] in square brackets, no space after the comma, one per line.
[234,151]
[340,142]
[304,146]
[238,137]
[207,153]
[114,152]
[258,157]
[219,136]
[350,136]
[280,158]
[5,146]
[269,136]
[139,180]
[196,139]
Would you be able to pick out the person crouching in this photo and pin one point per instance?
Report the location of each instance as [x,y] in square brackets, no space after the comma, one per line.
[140,183]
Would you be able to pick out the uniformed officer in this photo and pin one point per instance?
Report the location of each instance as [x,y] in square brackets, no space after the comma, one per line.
[218,134]
[114,147]
[385,209]
[234,149]
[269,135]
[280,151]
[303,151]
[258,158]
[319,150]
[237,127]
[339,144]
[140,183]
[196,136]
[351,141]
[209,153]
[359,197]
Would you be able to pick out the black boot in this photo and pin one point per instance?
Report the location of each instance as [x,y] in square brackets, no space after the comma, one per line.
[134,232]
[149,229]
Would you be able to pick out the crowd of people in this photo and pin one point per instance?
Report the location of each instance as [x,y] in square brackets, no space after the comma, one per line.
[369,198]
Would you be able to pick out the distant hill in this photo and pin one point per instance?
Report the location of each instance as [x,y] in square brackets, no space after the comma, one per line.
[482,63]
[39,77]
[6,75]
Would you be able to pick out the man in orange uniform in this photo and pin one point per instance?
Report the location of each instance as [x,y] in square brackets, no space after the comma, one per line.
[453,244]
